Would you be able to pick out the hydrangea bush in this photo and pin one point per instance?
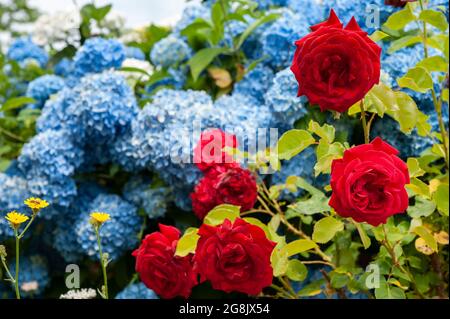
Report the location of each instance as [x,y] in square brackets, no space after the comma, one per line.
[304,141]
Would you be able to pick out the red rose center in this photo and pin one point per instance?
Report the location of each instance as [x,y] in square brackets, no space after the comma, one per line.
[368,191]
[234,262]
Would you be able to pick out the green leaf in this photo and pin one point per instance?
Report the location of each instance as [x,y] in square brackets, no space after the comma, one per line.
[188,243]
[312,289]
[379,99]
[298,246]
[220,213]
[279,261]
[440,197]
[403,42]
[201,60]
[338,280]
[386,291]
[427,236]
[325,229]
[435,18]
[16,103]
[263,20]
[414,168]
[317,203]
[378,36]
[326,131]
[134,70]
[407,114]
[400,19]
[326,153]
[434,64]
[417,79]
[90,11]
[296,270]
[293,142]
[419,187]
[362,234]
[422,208]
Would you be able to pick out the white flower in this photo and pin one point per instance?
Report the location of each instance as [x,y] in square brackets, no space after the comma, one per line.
[137,64]
[58,29]
[79,294]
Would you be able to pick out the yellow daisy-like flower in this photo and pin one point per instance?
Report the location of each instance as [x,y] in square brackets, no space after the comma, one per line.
[36,204]
[98,218]
[15,219]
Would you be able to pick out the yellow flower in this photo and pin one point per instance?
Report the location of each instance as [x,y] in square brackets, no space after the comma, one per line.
[36,204]
[99,218]
[15,219]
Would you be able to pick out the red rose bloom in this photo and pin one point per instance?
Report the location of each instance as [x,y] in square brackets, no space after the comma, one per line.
[369,183]
[234,257]
[398,3]
[334,66]
[209,150]
[230,184]
[167,275]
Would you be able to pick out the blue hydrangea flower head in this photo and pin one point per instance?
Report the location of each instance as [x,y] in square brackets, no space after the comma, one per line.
[191,12]
[64,232]
[411,145]
[283,101]
[153,200]
[97,55]
[118,235]
[51,154]
[279,38]
[136,291]
[13,191]
[255,83]
[134,53]
[170,51]
[311,10]
[43,87]
[265,4]
[64,68]
[94,112]
[34,275]
[23,51]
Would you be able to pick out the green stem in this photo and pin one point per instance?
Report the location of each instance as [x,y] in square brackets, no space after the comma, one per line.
[28,225]
[10,277]
[364,123]
[436,102]
[288,287]
[397,264]
[16,277]
[102,262]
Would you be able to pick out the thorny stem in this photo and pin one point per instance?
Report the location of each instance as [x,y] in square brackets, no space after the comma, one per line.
[339,291]
[102,262]
[289,226]
[437,103]
[288,287]
[397,264]
[366,127]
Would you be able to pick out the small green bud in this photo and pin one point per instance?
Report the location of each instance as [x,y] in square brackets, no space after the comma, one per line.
[3,253]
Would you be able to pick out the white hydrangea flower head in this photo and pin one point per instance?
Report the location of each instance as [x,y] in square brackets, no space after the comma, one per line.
[57,29]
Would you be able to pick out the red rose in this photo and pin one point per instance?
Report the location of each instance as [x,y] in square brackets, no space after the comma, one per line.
[397,3]
[234,257]
[209,150]
[369,183]
[230,184]
[334,66]
[167,275]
